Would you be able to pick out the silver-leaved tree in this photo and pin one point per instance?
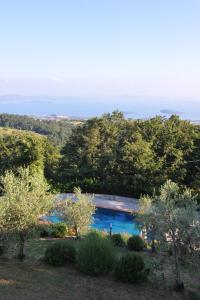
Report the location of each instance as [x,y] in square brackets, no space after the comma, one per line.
[25,198]
[172,218]
[78,212]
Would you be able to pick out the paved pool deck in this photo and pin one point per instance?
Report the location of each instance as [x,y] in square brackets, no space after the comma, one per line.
[119,203]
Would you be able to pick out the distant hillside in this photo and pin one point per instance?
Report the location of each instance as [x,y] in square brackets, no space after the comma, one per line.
[7,131]
[57,131]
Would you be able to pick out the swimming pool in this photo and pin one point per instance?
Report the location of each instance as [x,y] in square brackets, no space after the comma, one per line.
[121,221]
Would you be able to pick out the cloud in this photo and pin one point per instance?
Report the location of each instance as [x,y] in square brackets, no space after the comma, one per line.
[55,78]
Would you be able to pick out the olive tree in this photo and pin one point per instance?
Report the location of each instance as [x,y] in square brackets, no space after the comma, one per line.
[25,198]
[174,217]
[146,220]
[77,212]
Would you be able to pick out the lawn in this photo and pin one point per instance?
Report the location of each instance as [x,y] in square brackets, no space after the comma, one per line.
[32,279]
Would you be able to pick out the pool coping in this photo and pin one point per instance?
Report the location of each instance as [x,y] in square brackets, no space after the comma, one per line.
[113,202]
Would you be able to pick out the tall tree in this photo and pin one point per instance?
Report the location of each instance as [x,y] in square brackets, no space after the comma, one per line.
[28,149]
[111,154]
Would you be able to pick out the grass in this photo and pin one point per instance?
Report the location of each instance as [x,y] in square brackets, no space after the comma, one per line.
[36,248]
[32,279]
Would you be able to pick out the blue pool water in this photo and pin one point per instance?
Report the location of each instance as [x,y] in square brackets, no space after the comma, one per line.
[121,221]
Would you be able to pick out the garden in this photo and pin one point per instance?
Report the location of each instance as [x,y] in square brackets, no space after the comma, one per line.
[68,260]
[36,279]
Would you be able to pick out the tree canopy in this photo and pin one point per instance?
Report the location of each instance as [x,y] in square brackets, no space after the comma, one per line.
[27,149]
[111,154]
[108,154]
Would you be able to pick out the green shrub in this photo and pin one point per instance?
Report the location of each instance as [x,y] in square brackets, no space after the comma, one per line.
[135,243]
[95,255]
[117,240]
[131,268]
[100,233]
[125,236]
[59,230]
[43,230]
[44,233]
[60,253]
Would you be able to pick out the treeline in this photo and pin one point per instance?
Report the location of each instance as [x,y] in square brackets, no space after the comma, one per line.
[57,131]
[118,156]
[111,155]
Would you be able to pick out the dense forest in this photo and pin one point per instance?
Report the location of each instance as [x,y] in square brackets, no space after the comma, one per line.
[57,131]
[114,155]
[109,154]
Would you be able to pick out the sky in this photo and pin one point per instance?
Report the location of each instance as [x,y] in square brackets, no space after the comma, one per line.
[100,47]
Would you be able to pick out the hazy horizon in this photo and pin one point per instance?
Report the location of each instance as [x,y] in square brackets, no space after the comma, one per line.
[135,106]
